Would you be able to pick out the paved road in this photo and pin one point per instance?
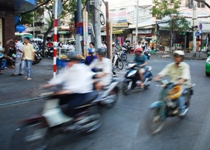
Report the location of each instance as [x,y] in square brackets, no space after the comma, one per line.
[124,126]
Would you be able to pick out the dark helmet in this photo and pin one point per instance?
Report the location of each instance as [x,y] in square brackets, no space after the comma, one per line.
[101,51]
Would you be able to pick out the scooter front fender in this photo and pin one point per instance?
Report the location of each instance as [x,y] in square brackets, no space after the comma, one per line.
[156,104]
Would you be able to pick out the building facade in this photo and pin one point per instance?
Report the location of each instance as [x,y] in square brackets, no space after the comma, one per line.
[8,10]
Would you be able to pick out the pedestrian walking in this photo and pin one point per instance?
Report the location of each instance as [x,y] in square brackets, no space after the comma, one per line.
[28,57]
[19,65]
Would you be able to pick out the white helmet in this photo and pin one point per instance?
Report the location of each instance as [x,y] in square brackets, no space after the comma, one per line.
[179,52]
[113,43]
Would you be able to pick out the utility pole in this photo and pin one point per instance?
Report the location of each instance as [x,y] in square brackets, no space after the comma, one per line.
[194,29]
[33,27]
[137,16]
[108,30]
[97,24]
[79,19]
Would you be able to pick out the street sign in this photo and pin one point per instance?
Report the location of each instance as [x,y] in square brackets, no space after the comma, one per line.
[59,9]
[197,34]
[200,26]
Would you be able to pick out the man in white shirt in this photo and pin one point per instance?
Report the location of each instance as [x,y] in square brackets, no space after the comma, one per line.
[104,69]
[76,81]
[19,67]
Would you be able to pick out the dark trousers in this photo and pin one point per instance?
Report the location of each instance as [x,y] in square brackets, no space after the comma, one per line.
[0,64]
[73,101]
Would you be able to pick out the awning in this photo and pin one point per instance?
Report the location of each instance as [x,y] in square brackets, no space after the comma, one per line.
[63,32]
[24,5]
[143,24]
[117,32]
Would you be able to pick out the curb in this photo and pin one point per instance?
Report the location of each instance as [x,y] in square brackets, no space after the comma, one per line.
[187,58]
[19,102]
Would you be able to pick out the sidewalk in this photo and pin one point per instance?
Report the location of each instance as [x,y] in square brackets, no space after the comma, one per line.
[189,56]
[17,88]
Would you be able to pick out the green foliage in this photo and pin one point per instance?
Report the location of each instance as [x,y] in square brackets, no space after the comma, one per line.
[169,8]
[164,8]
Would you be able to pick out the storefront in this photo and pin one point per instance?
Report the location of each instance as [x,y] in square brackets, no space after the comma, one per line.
[147,34]
[8,9]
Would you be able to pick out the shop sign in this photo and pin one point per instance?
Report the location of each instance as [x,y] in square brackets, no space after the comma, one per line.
[20,28]
[118,17]
[143,31]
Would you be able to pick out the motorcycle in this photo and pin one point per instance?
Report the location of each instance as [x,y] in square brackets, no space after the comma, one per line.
[49,52]
[129,49]
[109,94]
[167,105]
[37,56]
[38,131]
[124,54]
[117,60]
[131,81]
[147,53]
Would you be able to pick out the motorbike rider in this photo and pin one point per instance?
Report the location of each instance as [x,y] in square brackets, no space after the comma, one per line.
[76,80]
[104,69]
[178,70]
[91,57]
[141,60]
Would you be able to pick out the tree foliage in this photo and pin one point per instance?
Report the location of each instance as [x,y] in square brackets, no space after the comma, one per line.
[170,9]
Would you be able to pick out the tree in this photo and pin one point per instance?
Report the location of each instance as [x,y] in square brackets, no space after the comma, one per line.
[69,6]
[169,8]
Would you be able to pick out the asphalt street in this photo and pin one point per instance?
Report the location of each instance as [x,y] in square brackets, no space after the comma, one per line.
[124,125]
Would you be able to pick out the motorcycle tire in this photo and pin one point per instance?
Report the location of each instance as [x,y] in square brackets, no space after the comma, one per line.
[94,110]
[32,136]
[112,97]
[152,118]
[124,57]
[120,64]
[125,88]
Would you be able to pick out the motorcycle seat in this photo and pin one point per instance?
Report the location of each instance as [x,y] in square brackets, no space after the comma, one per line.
[90,97]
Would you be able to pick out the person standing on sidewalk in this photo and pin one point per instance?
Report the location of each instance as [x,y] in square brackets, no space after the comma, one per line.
[19,55]
[28,57]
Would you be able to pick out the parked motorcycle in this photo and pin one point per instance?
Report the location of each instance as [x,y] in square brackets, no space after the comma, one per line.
[117,61]
[49,52]
[131,81]
[122,51]
[129,49]
[38,131]
[38,57]
[167,105]
[147,53]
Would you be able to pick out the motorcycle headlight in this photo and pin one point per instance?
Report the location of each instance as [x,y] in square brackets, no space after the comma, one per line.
[208,60]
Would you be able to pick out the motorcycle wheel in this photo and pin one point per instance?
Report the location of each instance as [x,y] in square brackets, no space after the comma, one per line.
[112,98]
[154,122]
[94,110]
[125,88]
[120,64]
[124,57]
[32,136]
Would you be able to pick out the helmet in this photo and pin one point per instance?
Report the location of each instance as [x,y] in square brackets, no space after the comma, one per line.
[138,49]
[101,51]
[90,50]
[72,55]
[179,53]
[113,43]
